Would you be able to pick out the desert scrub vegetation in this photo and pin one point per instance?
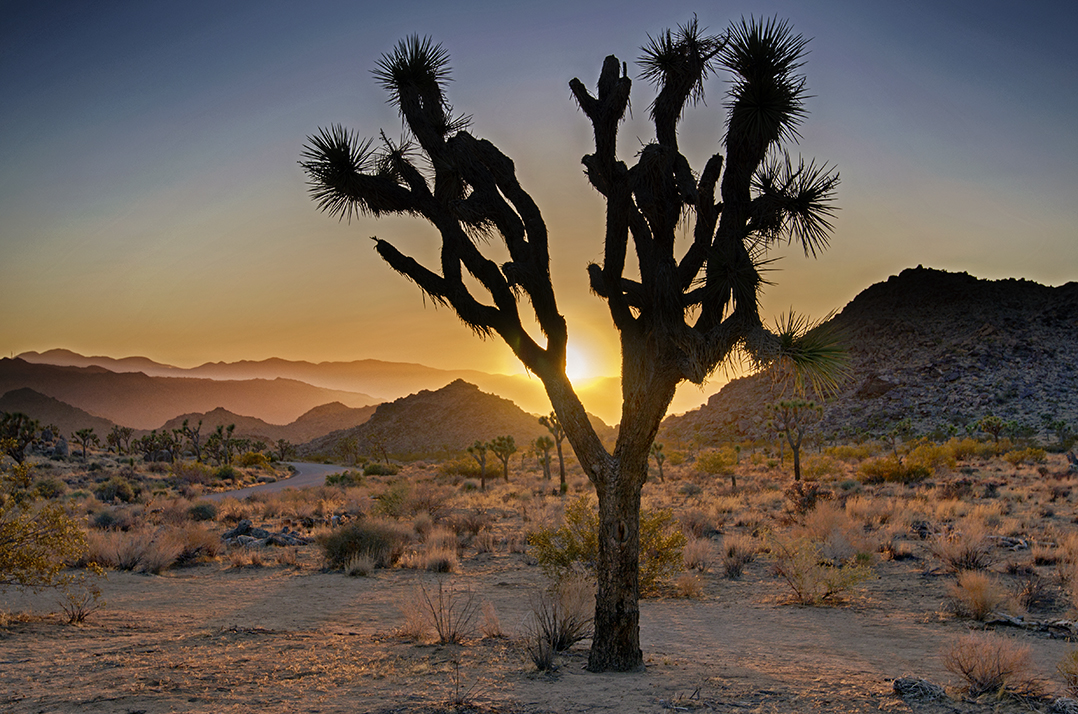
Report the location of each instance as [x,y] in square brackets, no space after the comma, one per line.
[38,537]
[575,544]
[976,595]
[383,541]
[560,617]
[992,664]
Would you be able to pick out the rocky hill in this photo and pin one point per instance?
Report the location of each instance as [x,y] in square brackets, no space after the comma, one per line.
[439,422]
[939,348]
[66,418]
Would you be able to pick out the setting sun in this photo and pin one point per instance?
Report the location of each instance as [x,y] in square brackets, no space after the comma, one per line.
[578,366]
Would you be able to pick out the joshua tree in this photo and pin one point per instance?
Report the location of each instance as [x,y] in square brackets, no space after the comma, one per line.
[120,438]
[554,427]
[194,439]
[543,445]
[790,418]
[285,449]
[18,431]
[503,447]
[85,437]
[660,457]
[478,450]
[680,312]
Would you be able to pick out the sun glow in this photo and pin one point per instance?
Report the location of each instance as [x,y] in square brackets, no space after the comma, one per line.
[578,367]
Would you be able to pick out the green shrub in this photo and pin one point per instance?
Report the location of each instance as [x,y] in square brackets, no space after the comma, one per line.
[226,472]
[116,488]
[1031,455]
[466,467]
[191,471]
[889,469]
[254,459]
[814,579]
[375,469]
[203,511]
[345,478]
[392,501]
[383,542]
[819,465]
[560,551]
[932,457]
[51,487]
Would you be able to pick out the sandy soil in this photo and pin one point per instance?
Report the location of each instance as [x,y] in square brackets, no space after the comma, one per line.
[214,638]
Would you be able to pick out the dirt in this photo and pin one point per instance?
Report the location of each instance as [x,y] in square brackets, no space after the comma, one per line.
[215,638]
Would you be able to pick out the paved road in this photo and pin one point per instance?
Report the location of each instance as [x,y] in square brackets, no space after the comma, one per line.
[306,475]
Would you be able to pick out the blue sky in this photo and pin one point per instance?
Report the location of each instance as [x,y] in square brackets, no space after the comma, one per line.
[151,202]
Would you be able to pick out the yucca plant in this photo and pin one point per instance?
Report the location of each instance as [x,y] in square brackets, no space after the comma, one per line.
[681,311]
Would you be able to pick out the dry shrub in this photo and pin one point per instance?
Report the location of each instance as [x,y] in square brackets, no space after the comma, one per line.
[231,510]
[852,452]
[812,576]
[964,449]
[442,539]
[698,554]
[384,541]
[932,457]
[191,472]
[485,542]
[871,511]
[1030,456]
[560,617]
[491,627]
[245,557]
[436,560]
[360,564]
[288,557]
[737,552]
[841,538]
[1044,555]
[976,594]
[965,548]
[688,585]
[695,523]
[429,499]
[452,614]
[817,466]
[1068,669]
[992,664]
[888,469]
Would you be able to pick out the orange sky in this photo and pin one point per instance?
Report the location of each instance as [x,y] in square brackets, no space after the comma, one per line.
[151,202]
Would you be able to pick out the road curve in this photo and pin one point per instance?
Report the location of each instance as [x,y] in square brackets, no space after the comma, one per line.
[306,475]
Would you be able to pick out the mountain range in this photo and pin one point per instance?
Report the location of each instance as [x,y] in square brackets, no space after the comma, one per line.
[939,348]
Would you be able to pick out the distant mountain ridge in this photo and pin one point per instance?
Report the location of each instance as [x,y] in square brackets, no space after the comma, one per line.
[46,410]
[381,380]
[939,348]
[144,402]
[317,422]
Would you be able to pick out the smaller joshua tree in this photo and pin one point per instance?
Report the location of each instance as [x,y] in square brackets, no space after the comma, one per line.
[503,447]
[790,418]
[478,450]
[85,437]
[554,427]
[543,445]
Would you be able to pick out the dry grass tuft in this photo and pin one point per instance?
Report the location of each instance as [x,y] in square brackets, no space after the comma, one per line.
[991,664]
[977,595]
[698,554]
[966,548]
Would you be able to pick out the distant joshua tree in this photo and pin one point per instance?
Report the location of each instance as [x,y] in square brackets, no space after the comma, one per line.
[503,447]
[554,427]
[478,450]
[543,445]
[85,437]
[681,311]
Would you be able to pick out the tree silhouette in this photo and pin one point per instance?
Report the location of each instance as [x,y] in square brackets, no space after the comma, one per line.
[543,445]
[85,437]
[478,450]
[554,427]
[503,447]
[682,313]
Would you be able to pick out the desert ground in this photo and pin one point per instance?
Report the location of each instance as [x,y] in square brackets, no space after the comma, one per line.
[227,625]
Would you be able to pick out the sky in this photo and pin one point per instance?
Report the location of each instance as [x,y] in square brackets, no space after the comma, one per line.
[151,201]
